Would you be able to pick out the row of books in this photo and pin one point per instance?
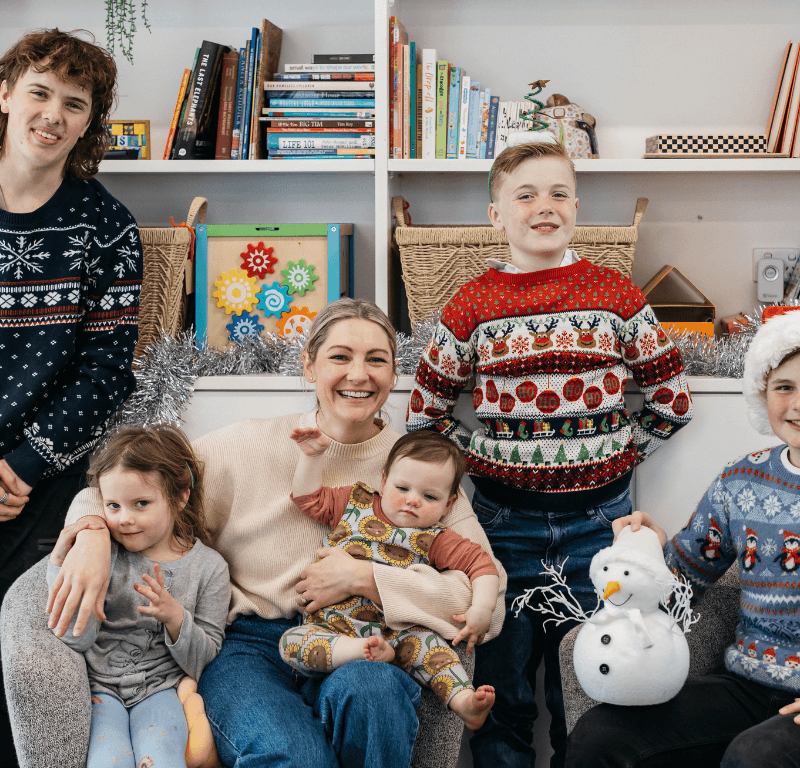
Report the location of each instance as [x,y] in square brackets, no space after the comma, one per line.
[219,101]
[322,110]
[783,126]
[437,111]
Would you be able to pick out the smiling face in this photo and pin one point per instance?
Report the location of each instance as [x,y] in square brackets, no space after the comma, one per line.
[46,117]
[627,586]
[138,514]
[783,405]
[354,372]
[416,494]
[536,206]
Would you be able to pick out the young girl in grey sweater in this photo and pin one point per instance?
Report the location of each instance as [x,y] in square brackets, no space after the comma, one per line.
[166,604]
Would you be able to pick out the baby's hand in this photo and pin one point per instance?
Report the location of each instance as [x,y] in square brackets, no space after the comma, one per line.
[476,624]
[163,606]
[310,440]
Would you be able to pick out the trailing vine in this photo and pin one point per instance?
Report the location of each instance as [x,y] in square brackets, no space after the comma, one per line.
[121,25]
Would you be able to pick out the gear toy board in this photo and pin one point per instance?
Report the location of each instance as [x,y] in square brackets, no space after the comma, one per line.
[268,278]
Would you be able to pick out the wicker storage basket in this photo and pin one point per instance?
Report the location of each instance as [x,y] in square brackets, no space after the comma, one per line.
[437,260]
[162,302]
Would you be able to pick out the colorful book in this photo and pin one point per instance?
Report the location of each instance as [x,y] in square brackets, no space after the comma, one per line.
[227,99]
[236,134]
[326,76]
[309,112]
[269,46]
[473,120]
[328,67]
[771,129]
[346,127]
[463,117]
[406,101]
[412,101]
[185,104]
[775,136]
[244,141]
[325,156]
[429,103]
[400,38]
[343,103]
[320,123]
[442,89]
[320,141]
[453,112]
[793,99]
[177,112]
[484,125]
[285,93]
[343,58]
[418,113]
[352,86]
[491,133]
[252,126]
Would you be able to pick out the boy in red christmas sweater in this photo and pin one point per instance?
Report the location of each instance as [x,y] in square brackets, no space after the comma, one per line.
[549,339]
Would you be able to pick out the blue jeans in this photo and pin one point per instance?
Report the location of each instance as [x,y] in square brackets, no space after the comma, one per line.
[521,539]
[263,713]
[150,733]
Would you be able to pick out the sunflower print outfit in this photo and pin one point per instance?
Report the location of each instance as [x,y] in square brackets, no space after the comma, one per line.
[360,528]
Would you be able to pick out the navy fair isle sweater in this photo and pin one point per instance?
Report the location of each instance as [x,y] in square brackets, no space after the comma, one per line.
[750,516]
[549,353]
[70,274]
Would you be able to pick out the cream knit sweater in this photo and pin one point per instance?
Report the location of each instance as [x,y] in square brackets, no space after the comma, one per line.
[267,542]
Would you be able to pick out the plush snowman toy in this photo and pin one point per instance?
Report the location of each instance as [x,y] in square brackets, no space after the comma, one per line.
[628,652]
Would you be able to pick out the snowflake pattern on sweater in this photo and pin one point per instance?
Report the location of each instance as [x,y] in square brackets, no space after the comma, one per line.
[751,514]
[70,274]
[549,353]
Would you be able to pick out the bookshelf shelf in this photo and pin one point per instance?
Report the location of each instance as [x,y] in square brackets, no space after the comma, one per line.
[237,166]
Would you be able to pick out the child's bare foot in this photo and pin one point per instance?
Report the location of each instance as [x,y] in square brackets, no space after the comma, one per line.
[473,706]
[377,649]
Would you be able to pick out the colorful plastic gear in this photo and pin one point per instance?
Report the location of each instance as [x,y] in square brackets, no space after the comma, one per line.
[258,260]
[298,321]
[298,277]
[273,299]
[243,327]
[236,291]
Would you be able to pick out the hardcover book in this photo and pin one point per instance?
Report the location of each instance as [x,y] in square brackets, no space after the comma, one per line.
[473,120]
[453,112]
[236,134]
[332,76]
[442,89]
[463,118]
[230,69]
[187,73]
[329,68]
[484,124]
[429,103]
[343,58]
[491,134]
[366,86]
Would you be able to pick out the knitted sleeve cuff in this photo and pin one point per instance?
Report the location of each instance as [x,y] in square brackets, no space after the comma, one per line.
[28,465]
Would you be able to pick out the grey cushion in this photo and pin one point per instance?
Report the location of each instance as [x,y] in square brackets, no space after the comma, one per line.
[718,609]
[48,691]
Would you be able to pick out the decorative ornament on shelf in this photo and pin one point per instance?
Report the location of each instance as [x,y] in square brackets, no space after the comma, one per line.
[530,115]
[236,292]
[274,299]
[629,652]
[243,327]
[296,322]
[299,277]
[121,25]
[258,260]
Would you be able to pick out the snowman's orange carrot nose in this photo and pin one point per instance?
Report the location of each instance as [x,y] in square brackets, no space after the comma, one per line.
[611,588]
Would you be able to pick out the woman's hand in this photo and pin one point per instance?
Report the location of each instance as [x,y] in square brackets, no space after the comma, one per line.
[82,582]
[333,578]
[14,491]
[791,709]
[66,538]
[636,520]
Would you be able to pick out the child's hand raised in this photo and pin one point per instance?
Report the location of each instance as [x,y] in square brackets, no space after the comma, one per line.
[163,606]
[310,440]
[476,624]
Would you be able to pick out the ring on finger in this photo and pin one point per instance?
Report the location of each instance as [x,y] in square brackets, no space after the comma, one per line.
[5,497]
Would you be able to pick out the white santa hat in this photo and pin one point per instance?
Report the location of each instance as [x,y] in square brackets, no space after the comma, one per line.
[641,548]
[530,137]
[777,338]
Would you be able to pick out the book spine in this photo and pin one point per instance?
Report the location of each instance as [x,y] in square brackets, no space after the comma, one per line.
[326,76]
[453,112]
[400,39]
[237,113]
[322,122]
[327,151]
[429,103]
[775,138]
[484,130]
[243,97]
[177,112]
[442,89]
[244,143]
[343,128]
[367,86]
[227,97]
[412,101]
[418,114]
[491,132]
[320,112]
[252,135]
[319,94]
[472,120]
[406,101]
[502,127]
[317,141]
[329,68]
[344,103]
[343,58]
[791,108]
[463,117]
[320,157]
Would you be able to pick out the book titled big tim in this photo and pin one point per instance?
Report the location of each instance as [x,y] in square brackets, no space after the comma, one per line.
[196,138]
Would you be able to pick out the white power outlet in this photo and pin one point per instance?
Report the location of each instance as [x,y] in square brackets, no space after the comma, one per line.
[788,256]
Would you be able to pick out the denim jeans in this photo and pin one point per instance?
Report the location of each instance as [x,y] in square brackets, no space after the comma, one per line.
[263,713]
[150,733]
[521,540]
[716,720]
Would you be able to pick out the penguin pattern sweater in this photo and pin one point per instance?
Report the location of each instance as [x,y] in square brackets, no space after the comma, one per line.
[549,352]
[751,514]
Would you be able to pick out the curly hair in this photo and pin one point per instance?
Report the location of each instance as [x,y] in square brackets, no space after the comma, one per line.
[75,61]
[166,451]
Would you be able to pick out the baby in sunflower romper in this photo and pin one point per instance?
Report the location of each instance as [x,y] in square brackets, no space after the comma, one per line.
[396,527]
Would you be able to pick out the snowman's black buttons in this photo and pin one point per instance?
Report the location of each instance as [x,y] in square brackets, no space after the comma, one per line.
[604,669]
[605,639]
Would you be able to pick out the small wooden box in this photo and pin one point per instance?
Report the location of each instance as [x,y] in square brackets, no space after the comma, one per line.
[128,140]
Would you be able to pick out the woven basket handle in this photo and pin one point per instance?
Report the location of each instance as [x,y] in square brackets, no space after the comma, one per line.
[641,207]
[398,205]
[198,208]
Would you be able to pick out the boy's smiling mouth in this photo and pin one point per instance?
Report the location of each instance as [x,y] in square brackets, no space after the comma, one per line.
[46,134]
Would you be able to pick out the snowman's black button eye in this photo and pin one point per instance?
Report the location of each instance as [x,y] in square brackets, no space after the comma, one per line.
[604,669]
[605,567]
[626,573]
[605,639]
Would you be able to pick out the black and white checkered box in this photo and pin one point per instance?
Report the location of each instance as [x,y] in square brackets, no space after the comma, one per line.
[666,144]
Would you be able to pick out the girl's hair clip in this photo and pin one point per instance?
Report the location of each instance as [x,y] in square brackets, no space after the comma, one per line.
[190,474]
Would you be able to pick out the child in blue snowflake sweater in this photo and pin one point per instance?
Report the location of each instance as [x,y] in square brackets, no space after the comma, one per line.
[749,516]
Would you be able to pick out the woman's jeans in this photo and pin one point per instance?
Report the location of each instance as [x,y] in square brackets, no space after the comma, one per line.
[522,539]
[263,713]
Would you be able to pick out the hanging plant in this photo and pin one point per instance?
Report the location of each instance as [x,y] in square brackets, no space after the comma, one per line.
[121,25]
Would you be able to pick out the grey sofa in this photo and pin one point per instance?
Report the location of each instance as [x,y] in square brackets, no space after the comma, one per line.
[718,609]
[48,691]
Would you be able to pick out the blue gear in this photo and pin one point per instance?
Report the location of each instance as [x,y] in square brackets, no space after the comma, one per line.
[244,326]
[274,299]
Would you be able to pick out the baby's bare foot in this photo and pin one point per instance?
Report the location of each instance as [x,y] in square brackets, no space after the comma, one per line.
[473,706]
[377,649]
